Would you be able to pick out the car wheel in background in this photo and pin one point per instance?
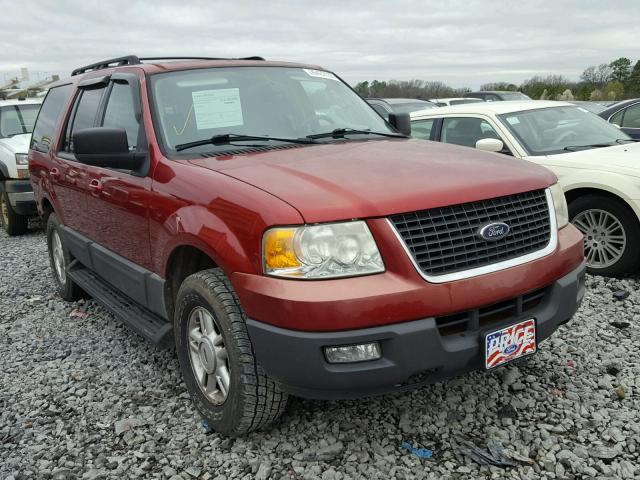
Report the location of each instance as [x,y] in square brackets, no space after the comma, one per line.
[220,370]
[12,223]
[59,258]
[611,234]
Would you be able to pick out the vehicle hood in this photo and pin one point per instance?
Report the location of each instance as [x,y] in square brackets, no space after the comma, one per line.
[622,158]
[360,179]
[17,143]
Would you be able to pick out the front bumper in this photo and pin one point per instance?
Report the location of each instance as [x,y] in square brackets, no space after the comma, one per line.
[21,197]
[413,353]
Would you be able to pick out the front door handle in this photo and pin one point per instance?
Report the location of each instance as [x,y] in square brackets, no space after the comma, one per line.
[54,173]
[95,186]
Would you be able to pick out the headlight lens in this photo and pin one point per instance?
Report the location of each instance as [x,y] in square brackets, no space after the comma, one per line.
[321,251]
[560,204]
[22,159]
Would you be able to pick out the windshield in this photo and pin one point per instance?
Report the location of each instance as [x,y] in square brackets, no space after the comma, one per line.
[548,131]
[17,119]
[194,105]
[514,96]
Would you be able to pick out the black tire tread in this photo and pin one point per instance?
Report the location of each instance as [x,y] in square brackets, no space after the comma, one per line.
[264,401]
[18,224]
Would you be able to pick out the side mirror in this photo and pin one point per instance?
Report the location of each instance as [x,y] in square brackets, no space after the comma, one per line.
[490,145]
[106,147]
[401,122]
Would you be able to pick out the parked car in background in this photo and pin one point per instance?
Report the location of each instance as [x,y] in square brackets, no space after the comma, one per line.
[262,218]
[17,204]
[593,107]
[385,106]
[497,95]
[447,102]
[625,115]
[596,163]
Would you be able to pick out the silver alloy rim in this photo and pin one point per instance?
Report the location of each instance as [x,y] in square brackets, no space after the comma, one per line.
[604,237]
[208,355]
[58,257]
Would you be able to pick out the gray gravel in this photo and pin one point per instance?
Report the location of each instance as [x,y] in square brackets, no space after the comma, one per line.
[82,397]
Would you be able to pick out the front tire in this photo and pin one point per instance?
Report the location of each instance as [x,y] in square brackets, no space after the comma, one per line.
[59,258]
[228,386]
[12,223]
[611,234]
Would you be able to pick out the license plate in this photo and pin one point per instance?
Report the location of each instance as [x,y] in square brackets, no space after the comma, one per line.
[510,343]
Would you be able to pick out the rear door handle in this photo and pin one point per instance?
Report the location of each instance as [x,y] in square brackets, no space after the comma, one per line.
[95,186]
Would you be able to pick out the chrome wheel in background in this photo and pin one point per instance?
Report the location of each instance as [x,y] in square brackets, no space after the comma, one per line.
[605,238]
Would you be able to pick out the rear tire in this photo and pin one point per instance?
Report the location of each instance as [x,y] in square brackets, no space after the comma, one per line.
[60,259]
[12,223]
[228,386]
[611,234]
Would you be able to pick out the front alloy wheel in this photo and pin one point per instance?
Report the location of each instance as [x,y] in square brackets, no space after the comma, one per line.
[611,234]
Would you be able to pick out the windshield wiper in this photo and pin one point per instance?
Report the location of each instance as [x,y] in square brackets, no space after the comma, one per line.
[573,148]
[229,138]
[625,140]
[341,132]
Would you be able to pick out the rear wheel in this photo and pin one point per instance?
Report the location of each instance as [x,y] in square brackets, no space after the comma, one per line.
[611,234]
[226,383]
[12,223]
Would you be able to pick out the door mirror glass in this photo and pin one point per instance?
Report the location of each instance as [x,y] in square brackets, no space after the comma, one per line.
[490,145]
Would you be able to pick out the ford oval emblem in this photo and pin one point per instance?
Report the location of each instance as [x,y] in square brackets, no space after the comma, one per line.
[493,232]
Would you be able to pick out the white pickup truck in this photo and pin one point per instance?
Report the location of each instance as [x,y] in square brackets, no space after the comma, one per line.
[17,118]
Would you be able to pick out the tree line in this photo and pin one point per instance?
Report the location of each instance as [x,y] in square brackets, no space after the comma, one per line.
[616,80]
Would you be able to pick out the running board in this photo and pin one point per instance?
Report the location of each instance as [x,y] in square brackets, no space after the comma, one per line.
[142,321]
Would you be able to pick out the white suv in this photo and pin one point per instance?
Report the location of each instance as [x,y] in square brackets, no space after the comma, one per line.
[17,118]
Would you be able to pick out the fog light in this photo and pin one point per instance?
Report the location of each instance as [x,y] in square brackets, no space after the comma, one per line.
[353,353]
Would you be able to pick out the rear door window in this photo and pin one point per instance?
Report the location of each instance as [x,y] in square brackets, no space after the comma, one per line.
[48,118]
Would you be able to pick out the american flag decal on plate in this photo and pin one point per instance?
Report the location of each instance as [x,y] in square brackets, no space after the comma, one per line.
[510,343]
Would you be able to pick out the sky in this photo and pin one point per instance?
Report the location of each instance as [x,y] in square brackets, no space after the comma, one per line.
[462,43]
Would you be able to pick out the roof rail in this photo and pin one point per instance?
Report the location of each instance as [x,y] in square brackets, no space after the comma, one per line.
[134,60]
[200,58]
[114,62]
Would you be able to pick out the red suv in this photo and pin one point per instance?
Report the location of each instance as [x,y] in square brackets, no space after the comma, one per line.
[262,217]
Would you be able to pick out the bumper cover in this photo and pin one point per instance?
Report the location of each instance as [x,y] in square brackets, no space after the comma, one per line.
[414,353]
[21,197]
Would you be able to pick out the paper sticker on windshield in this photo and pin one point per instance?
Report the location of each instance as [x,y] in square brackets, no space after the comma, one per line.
[217,108]
[320,74]
[513,120]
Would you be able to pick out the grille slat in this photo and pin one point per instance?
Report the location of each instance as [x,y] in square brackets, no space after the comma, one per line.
[446,240]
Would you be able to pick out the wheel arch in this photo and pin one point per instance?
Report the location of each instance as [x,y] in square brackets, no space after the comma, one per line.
[577,191]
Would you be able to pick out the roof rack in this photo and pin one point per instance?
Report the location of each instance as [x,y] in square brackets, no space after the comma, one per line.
[134,60]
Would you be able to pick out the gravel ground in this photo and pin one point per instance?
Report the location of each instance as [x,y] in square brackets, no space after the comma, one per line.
[71,381]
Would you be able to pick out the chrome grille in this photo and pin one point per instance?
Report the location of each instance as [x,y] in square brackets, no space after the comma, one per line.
[446,240]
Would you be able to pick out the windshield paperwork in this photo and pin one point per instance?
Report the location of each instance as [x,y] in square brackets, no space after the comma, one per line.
[217,109]
[549,131]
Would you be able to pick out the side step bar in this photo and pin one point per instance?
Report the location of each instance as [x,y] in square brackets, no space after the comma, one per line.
[142,321]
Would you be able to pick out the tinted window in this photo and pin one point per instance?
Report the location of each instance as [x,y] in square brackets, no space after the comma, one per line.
[121,114]
[422,128]
[84,116]
[631,117]
[617,118]
[411,107]
[381,110]
[466,131]
[48,118]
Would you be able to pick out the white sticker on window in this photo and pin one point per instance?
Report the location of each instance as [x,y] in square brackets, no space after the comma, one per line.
[320,74]
[217,108]
[513,120]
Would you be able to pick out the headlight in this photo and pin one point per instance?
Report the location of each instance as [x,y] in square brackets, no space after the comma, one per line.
[560,204]
[22,159]
[321,251]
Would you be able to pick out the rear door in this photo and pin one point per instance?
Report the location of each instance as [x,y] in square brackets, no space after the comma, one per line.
[117,199]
